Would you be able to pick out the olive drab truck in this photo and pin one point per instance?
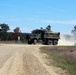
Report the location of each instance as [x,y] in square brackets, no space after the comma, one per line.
[43,36]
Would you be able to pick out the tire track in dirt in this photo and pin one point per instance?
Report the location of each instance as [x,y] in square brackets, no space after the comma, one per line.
[14,65]
[6,67]
[22,60]
[32,66]
[17,65]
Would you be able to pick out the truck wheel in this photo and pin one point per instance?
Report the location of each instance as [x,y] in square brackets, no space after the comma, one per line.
[50,42]
[29,42]
[55,42]
[35,41]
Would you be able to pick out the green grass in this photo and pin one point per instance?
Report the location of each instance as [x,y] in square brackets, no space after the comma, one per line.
[62,58]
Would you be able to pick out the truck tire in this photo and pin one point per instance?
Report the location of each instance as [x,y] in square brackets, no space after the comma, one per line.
[55,42]
[35,41]
[29,42]
[50,42]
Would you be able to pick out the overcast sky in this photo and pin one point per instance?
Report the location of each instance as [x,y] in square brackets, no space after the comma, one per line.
[33,14]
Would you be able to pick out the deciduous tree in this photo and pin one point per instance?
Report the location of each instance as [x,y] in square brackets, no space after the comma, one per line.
[3,30]
[17,33]
[74,30]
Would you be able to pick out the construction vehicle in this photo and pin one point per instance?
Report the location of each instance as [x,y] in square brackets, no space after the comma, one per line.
[43,36]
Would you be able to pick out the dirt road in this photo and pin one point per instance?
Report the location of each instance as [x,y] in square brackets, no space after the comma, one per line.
[22,60]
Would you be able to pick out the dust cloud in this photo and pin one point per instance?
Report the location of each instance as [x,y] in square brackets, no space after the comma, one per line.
[68,40]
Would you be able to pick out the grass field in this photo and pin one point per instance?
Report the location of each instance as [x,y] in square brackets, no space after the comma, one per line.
[63,57]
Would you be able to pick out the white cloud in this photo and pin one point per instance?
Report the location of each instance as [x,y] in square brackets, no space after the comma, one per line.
[41,12]
[61,10]
[57,9]
[60,22]
[10,5]
[29,19]
[1,17]
[13,19]
[9,19]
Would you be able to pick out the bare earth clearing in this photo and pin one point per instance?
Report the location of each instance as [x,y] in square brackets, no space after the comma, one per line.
[24,60]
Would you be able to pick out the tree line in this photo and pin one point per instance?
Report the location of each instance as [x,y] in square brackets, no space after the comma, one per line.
[5,35]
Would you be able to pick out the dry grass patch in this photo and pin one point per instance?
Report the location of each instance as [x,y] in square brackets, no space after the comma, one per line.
[63,56]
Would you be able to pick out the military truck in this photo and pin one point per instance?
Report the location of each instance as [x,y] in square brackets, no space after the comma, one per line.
[43,36]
